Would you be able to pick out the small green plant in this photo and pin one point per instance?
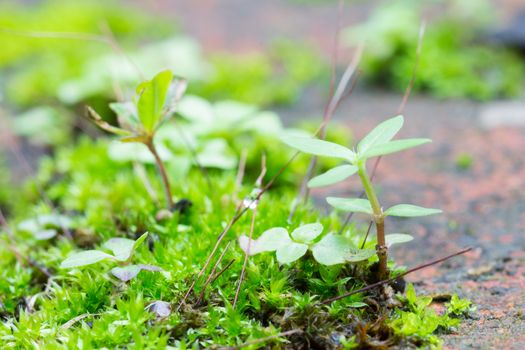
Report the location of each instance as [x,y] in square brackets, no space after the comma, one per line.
[331,249]
[458,306]
[122,249]
[420,321]
[376,144]
[45,226]
[140,120]
[464,161]
[452,62]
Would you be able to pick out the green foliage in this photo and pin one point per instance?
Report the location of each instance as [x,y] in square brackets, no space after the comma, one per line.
[331,249]
[409,210]
[30,59]
[154,103]
[277,77]
[453,62]
[45,226]
[421,322]
[122,249]
[464,161]
[376,143]
[458,306]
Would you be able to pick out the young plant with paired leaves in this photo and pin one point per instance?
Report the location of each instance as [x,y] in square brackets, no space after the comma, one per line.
[376,144]
[139,120]
[330,249]
[122,249]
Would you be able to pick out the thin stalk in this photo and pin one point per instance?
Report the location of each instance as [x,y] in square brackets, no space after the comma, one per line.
[163,173]
[379,220]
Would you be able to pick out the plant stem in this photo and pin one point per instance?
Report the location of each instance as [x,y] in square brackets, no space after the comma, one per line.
[379,220]
[163,173]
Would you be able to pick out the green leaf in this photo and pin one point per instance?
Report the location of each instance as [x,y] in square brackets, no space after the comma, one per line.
[269,241]
[307,233]
[126,114]
[333,176]
[129,272]
[382,133]
[291,252]
[84,258]
[140,240]
[126,273]
[357,304]
[101,123]
[176,90]
[397,238]
[45,226]
[394,146]
[121,247]
[319,147]
[152,98]
[196,109]
[331,250]
[409,210]
[356,205]
[356,255]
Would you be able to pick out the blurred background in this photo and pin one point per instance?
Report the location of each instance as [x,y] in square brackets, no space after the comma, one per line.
[57,56]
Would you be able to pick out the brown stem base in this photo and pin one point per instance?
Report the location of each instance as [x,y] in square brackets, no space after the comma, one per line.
[382,250]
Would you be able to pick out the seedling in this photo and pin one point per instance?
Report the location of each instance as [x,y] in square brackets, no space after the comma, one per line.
[45,226]
[139,121]
[377,143]
[459,307]
[331,249]
[122,249]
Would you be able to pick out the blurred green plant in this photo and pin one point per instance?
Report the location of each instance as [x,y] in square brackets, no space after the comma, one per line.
[122,249]
[377,143]
[276,77]
[35,64]
[155,102]
[454,62]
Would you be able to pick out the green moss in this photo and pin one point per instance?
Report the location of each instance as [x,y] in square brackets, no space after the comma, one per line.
[106,199]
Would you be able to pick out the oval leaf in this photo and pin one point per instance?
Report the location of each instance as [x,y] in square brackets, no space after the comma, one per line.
[84,258]
[152,98]
[160,308]
[331,250]
[270,240]
[356,255]
[307,233]
[409,210]
[356,205]
[394,146]
[396,238]
[126,273]
[382,133]
[121,247]
[319,147]
[333,176]
[291,252]
[129,272]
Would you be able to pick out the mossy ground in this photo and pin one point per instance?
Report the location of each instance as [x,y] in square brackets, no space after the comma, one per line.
[106,199]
